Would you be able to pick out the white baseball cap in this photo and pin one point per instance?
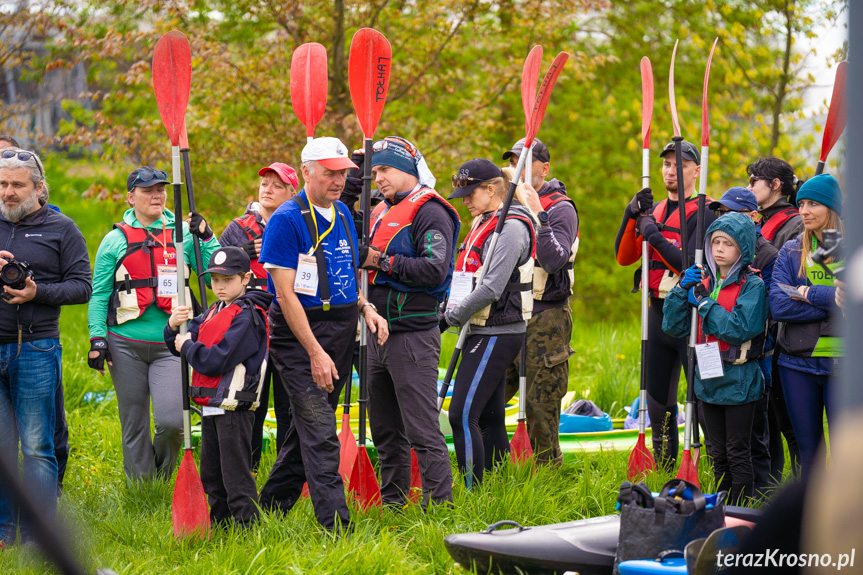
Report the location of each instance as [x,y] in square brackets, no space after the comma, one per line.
[330,152]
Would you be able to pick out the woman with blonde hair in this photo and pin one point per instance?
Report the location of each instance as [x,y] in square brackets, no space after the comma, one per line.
[803,299]
[495,311]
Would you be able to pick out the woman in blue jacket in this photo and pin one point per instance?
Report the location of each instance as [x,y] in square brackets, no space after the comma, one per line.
[732,310]
[802,298]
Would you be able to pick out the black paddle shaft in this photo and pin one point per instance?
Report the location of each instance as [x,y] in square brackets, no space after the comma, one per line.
[190,195]
[681,204]
[366,206]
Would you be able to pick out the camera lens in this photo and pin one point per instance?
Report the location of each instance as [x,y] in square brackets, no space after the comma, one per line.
[10,274]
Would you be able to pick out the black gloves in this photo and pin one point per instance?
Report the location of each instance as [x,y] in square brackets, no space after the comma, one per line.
[354,183]
[370,257]
[641,202]
[645,225]
[442,324]
[697,293]
[99,345]
[250,249]
[198,226]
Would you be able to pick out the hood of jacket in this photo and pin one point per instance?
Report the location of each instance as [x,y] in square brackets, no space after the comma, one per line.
[551,186]
[742,229]
[258,297]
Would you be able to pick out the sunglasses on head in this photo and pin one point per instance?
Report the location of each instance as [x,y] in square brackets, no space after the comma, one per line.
[381,145]
[683,148]
[24,156]
[464,181]
[148,175]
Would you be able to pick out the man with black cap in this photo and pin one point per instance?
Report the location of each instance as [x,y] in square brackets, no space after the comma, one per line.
[659,224]
[310,252]
[411,257]
[550,327]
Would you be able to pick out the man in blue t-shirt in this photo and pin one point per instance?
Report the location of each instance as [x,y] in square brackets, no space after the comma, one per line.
[310,252]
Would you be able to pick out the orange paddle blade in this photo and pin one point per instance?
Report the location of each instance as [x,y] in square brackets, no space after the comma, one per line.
[364,482]
[640,459]
[671,101]
[416,492]
[520,449]
[189,511]
[309,84]
[348,454]
[369,77]
[172,81]
[688,470]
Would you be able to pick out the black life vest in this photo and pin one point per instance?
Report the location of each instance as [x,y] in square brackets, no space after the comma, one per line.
[236,390]
[136,274]
[559,285]
[254,231]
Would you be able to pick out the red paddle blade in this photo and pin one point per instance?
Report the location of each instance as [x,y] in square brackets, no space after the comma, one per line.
[172,81]
[184,137]
[309,84]
[416,492]
[646,101]
[189,512]
[543,96]
[705,122]
[688,471]
[837,115]
[364,482]
[520,449]
[305,492]
[640,459]
[369,77]
[348,452]
[529,78]
[671,101]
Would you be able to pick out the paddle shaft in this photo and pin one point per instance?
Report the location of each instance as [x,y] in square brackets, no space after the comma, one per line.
[366,206]
[522,378]
[645,289]
[684,265]
[190,196]
[181,288]
[462,336]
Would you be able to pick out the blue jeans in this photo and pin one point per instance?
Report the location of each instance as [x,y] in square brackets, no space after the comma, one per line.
[28,383]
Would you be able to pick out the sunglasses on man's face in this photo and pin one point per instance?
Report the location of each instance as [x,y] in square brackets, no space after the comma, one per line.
[24,156]
[148,175]
[464,181]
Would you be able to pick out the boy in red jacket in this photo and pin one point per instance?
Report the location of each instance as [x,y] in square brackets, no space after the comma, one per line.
[227,349]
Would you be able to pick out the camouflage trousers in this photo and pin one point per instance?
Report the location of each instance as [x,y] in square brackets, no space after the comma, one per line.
[548,349]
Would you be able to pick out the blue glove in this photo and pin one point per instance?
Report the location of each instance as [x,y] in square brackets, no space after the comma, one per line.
[696,293]
[691,277]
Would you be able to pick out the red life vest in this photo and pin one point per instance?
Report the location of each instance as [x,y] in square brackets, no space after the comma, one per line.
[136,274]
[776,221]
[516,302]
[254,231]
[559,285]
[660,278]
[733,354]
[390,233]
[236,390]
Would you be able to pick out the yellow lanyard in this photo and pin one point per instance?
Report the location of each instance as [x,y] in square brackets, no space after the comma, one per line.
[326,233]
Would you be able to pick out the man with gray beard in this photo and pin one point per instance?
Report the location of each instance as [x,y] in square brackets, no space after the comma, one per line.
[43,265]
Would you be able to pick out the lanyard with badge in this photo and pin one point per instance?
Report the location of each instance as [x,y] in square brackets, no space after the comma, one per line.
[166,285]
[707,354]
[306,281]
[462,281]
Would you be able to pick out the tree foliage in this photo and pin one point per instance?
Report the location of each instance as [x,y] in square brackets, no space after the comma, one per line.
[455,92]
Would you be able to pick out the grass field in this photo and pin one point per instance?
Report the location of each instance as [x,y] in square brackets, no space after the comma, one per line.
[128,529]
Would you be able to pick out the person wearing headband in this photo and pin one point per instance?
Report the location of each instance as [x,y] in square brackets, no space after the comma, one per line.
[411,254]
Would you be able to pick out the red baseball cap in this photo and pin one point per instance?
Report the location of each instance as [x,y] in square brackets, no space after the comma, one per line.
[286,173]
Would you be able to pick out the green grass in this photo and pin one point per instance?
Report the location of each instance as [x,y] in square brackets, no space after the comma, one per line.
[128,529]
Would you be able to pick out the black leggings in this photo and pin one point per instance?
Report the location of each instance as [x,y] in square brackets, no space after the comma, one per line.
[730,430]
[665,356]
[477,409]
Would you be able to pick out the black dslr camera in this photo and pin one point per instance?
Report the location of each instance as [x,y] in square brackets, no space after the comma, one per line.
[14,274]
[832,246]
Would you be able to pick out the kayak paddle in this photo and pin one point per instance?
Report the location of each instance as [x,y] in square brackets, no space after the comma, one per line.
[309,85]
[190,197]
[172,82]
[836,116]
[640,459]
[520,449]
[529,78]
[368,78]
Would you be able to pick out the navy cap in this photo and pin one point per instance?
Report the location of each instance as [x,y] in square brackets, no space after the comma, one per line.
[540,150]
[737,199]
[688,151]
[145,177]
[229,261]
[471,174]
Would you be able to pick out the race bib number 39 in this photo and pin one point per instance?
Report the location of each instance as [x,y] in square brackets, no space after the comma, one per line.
[306,281]
[167,277]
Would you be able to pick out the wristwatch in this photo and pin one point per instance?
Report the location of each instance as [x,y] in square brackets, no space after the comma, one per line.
[543,217]
[370,304]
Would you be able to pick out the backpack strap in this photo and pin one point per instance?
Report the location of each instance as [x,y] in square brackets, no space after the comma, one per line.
[323,283]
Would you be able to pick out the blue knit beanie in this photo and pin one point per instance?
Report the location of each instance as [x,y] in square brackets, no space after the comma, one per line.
[397,153]
[823,189]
